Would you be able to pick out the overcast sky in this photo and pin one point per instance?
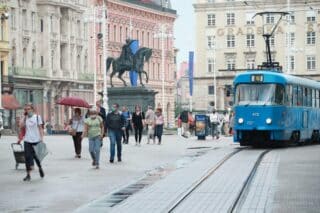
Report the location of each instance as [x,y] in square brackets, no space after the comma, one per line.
[184,28]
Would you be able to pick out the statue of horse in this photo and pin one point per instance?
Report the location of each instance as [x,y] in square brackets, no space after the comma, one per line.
[130,62]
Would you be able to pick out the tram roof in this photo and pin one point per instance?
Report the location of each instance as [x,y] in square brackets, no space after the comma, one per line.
[272,77]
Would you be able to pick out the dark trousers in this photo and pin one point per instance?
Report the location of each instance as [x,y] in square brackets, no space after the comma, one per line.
[115,139]
[158,132]
[138,133]
[77,143]
[30,155]
[126,135]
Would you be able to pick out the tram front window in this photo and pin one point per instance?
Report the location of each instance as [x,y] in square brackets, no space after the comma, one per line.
[259,94]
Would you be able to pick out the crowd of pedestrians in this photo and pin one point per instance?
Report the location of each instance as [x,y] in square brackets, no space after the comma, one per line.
[95,124]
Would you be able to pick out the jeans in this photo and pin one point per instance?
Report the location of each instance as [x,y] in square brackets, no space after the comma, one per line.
[115,138]
[94,148]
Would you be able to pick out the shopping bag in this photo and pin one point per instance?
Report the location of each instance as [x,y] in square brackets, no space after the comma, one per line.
[41,150]
[179,131]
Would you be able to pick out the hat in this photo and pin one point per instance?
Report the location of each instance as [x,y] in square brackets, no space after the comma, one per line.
[93,109]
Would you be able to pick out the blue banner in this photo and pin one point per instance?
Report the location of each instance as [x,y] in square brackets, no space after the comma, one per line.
[190,72]
[133,74]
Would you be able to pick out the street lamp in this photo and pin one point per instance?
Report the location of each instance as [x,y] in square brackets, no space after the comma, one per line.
[102,36]
[162,36]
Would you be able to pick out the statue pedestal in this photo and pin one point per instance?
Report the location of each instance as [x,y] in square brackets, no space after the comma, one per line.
[131,96]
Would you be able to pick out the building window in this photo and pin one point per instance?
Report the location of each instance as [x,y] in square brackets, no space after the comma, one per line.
[120,34]
[24,57]
[250,40]
[13,18]
[311,16]
[311,62]
[250,63]
[148,39]
[292,62]
[210,42]
[290,39]
[210,65]
[211,19]
[210,90]
[114,33]
[33,62]
[272,40]
[291,18]
[230,18]
[270,19]
[33,21]
[41,25]
[41,61]
[311,38]
[249,18]
[230,41]
[231,64]
[2,29]
[24,19]
[51,24]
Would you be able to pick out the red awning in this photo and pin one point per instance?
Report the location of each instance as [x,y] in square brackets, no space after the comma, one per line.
[9,102]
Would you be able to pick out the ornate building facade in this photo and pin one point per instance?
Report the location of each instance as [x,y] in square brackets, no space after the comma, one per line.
[151,23]
[49,55]
[229,41]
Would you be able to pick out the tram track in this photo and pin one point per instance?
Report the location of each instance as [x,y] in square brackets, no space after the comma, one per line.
[242,193]
[201,180]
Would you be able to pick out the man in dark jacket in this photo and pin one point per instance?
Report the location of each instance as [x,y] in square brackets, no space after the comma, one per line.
[115,125]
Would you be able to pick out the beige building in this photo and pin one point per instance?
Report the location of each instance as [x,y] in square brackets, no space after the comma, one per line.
[229,41]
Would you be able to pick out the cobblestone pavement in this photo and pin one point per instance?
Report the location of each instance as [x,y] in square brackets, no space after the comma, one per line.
[70,183]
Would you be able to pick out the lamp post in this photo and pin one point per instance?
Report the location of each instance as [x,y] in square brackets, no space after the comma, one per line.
[102,20]
[104,56]
[162,36]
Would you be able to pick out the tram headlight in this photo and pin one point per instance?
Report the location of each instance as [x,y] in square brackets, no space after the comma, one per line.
[240,120]
[268,121]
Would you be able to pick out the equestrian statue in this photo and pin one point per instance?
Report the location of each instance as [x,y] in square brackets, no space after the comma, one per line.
[129,61]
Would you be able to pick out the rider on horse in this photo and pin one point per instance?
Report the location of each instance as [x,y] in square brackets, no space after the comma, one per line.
[126,53]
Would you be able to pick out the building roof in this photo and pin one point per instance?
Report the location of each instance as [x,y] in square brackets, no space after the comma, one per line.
[160,5]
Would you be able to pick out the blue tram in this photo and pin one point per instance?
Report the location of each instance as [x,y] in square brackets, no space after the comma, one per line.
[275,108]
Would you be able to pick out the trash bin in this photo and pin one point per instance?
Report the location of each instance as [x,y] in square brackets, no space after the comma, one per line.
[202,127]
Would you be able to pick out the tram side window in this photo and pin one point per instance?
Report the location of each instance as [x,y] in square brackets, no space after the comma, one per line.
[279,96]
[289,94]
[295,96]
[300,99]
[308,97]
[313,98]
[317,99]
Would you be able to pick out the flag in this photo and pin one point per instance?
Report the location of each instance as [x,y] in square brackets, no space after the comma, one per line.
[190,72]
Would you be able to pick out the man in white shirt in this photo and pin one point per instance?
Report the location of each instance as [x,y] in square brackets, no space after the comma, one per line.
[215,122]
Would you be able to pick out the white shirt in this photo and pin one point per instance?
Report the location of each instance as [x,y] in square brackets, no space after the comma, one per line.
[214,118]
[32,129]
[78,124]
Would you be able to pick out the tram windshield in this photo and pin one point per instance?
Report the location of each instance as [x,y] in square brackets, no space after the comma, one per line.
[259,94]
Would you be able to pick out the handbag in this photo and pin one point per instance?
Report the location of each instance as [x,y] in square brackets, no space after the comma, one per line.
[41,150]
[72,131]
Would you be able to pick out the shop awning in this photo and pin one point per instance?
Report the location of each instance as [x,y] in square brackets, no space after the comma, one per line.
[9,102]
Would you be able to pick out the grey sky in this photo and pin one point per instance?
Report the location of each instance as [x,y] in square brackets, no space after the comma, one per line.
[184,28]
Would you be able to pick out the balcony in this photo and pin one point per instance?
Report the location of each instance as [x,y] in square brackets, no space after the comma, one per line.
[85,76]
[28,72]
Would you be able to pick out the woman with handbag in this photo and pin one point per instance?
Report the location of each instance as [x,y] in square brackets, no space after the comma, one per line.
[33,135]
[75,130]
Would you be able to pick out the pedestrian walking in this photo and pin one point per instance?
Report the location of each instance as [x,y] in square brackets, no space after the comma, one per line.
[102,113]
[214,121]
[127,115]
[184,117]
[116,126]
[76,127]
[231,123]
[94,129]
[48,126]
[138,123]
[33,125]
[150,124]
[159,121]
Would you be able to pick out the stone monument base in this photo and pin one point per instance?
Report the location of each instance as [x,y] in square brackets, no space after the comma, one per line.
[131,96]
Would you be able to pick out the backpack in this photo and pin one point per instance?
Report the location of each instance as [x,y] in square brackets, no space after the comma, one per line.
[184,116]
